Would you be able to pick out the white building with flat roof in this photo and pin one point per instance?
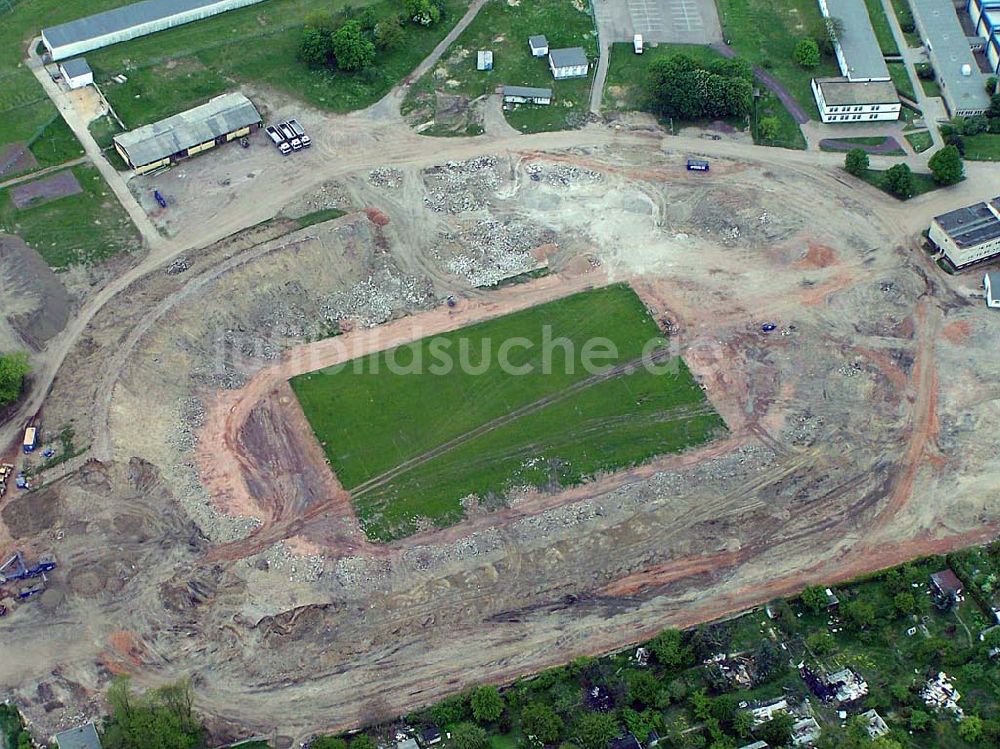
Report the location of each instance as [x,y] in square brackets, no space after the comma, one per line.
[968,235]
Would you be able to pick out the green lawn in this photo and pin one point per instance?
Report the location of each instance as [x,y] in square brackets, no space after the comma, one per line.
[880,25]
[922,182]
[84,228]
[901,80]
[931,88]
[766,33]
[371,420]
[873,140]
[789,132]
[504,28]
[627,71]
[982,147]
[903,14]
[920,141]
[177,69]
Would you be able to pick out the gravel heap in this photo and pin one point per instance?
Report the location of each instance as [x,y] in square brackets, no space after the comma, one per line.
[560,174]
[461,186]
[386,177]
[498,250]
[374,301]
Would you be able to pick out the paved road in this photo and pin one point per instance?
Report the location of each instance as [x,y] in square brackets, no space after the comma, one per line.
[600,77]
[772,83]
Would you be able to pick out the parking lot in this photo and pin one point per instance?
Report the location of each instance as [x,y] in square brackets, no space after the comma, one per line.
[676,21]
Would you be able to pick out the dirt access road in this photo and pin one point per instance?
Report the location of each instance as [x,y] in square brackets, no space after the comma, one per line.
[860,431]
[211,539]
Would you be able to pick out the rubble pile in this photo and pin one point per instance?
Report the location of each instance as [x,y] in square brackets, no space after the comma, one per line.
[461,186]
[385,177]
[561,174]
[497,250]
[374,300]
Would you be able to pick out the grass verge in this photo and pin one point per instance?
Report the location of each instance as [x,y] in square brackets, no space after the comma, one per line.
[84,228]
[901,80]
[180,68]
[920,141]
[982,147]
[922,182]
[880,25]
[504,28]
[319,217]
[765,33]
[372,420]
[872,140]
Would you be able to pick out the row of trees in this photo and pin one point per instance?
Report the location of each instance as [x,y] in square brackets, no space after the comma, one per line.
[13,369]
[681,87]
[350,42]
[945,165]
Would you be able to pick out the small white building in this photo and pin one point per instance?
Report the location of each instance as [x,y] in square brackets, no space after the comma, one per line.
[526,95]
[805,732]
[539,45]
[484,60]
[874,724]
[76,73]
[570,62]
[842,100]
[991,282]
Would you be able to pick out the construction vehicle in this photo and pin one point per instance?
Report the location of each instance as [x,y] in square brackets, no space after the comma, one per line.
[16,568]
[290,136]
[278,139]
[28,591]
[697,165]
[299,131]
[30,439]
[6,471]
[160,199]
[21,482]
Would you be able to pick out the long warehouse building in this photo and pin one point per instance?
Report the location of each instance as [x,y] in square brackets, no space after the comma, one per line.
[166,142]
[129,22]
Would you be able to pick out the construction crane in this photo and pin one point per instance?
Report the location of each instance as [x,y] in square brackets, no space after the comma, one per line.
[16,568]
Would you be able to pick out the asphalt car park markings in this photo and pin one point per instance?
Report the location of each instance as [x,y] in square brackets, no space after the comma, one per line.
[686,15]
[645,15]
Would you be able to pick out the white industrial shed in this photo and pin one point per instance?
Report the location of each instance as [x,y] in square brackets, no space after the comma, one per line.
[129,22]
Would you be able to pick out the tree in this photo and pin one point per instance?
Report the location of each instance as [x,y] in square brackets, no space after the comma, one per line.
[821,642]
[595,730]
[768,660]
[898,181]
[363,741]
[860,613]
[13,368]
[946,166]
[389,35]
[450,711]
[542,722]
[778,730]
[971,728]
[316,47]
[806,54]
[768,128]
[991,85]
[487,704]
[351,48]
[328,742]
[670,650]
[643,688]
[904,603]
[826,32]
[856,163]
[742,724]
[919,720]
[160,719]
[814,597]
[469,736]
[423,12]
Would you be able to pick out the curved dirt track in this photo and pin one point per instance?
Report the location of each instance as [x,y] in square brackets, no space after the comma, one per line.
[849,449]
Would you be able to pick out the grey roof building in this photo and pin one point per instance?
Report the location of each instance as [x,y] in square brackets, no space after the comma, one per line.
[966,235]
[128,22]
[161,143]
[569,57]
[963,86]
[527,92]
[82,737]
[858,52]
[76,67]
[840,92]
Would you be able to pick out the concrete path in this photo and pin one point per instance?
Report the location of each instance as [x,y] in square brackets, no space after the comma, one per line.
[42,172]
[600,78]
[772,83]
[150,235]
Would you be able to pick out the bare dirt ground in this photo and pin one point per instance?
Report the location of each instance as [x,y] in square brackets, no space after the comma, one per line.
[44,190]
[205,536]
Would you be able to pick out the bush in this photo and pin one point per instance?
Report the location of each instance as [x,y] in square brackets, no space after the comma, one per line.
[423,12]
[974,125]
[806,53]
[469,736]
[856,163]
[925,71]
[13,368]
[487,704]
[768,128]
[542,722]
[352,49]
